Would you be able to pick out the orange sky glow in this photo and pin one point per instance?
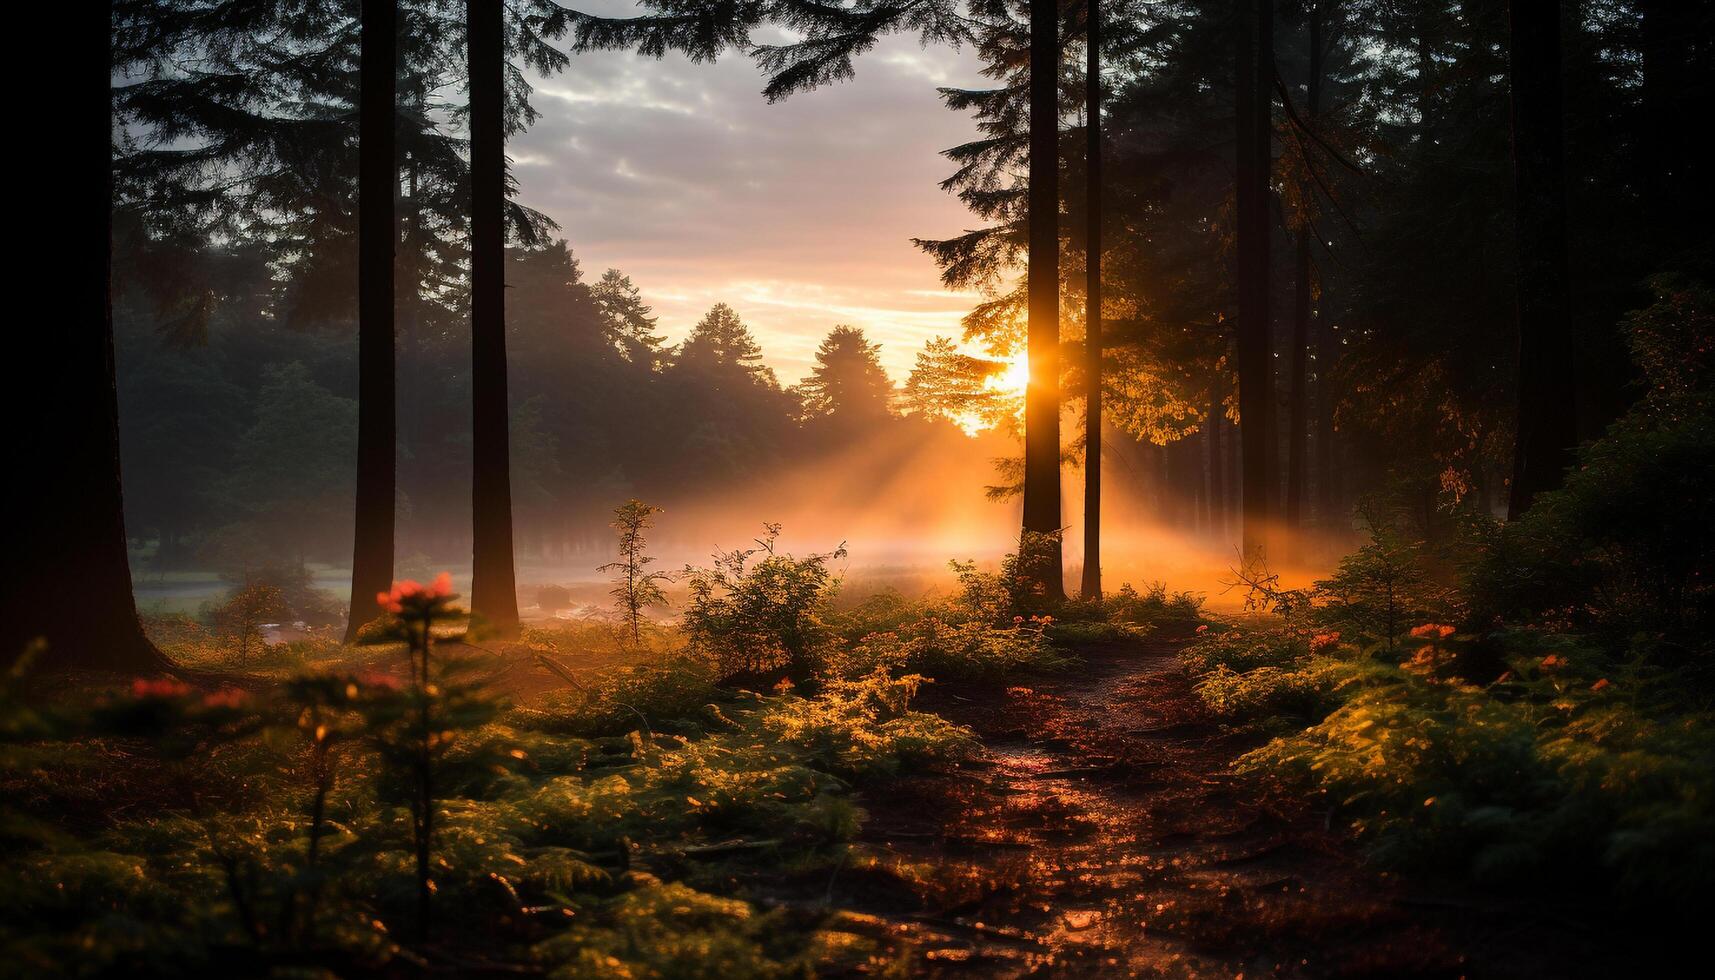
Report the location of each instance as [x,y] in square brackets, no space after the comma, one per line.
[798,214]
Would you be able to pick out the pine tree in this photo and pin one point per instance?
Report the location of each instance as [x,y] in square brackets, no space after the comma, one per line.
[1255,365]
[1092,578]
[628,321]
[494,590]
[947,383]
[720,342]
[1547,428]
[378,183]
[848,383]
[73,587]
[636,588]
[1042,395]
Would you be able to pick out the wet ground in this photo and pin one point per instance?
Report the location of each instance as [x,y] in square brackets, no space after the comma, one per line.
[1101,834]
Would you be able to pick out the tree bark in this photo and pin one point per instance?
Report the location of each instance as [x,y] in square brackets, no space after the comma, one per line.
[1092,583]
[1255,366]
[1303,311]
[1042,396]
[1547,388]
[69,583]
[377,191]
[494,590]
[1327,354]
[1217,470]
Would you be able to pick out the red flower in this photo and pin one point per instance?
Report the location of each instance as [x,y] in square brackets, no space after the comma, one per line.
[415,593]
[1599,685]
[441,587]
[1204,628]
[230,697]
[165,687]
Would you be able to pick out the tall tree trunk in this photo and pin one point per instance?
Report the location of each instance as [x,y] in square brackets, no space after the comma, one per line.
[1217,470]
[1092,584]
[69,580]
[1547,390]
[1297,400]
[377,190]
[1298,412]
[1042,395]
[1256,383]
[494,590]
[1327,354]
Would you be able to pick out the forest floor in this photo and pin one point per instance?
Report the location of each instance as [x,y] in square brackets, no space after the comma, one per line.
[1100,833]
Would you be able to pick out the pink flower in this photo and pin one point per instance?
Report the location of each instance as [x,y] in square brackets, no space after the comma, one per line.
[1203,628]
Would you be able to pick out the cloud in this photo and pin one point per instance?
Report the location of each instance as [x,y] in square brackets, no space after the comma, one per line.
[799,214]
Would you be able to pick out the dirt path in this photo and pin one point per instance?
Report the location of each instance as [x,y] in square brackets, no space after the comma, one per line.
[1101,835]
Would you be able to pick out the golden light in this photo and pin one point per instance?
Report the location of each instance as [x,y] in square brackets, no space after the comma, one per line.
[1013,380]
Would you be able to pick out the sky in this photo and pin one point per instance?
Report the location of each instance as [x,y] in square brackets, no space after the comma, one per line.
[799,214]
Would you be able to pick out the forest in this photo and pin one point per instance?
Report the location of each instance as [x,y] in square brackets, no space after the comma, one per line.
[1298,560]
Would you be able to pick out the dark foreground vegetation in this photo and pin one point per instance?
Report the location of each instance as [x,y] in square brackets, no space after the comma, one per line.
[1489,754]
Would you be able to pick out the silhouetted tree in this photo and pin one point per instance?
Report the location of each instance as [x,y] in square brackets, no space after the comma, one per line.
[1092,579]
[628,321]
[847,384]
[1547,429]
[494,592]
[377,232]
[1255,62]
[71,578]
[1042,396]
[1297,430]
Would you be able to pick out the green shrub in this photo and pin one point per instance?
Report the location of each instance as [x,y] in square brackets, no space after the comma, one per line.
[1268,692]
[1153,607]
[622,700]
[750,615]
[1244,648]
[935,647]
[863,728]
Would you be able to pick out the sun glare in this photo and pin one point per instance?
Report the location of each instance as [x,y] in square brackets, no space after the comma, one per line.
[1014,379]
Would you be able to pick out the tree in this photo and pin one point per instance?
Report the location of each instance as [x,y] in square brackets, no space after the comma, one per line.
[949,384]
[493,590]
[848,383]
[1547,430]
[1297,426]
[74,586]
[627,320]
[247,610]
[721,342]
[1256,388]
[636,588]
[1092,583]
[1042,393]
[377,232]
